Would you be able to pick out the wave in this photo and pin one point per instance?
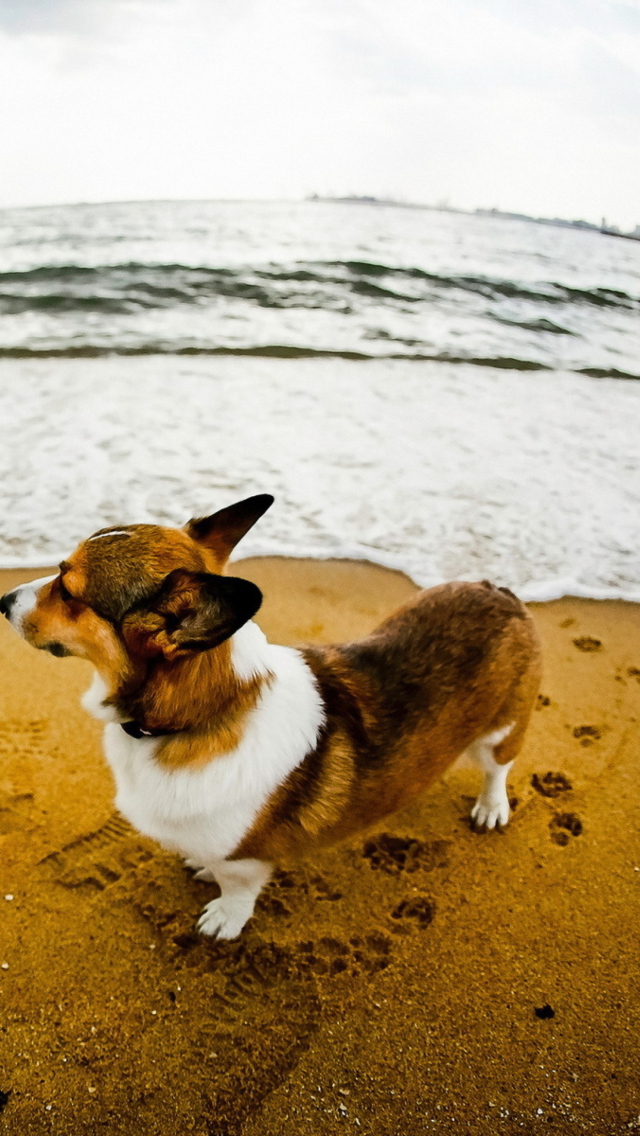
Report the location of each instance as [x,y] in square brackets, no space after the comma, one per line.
[605,373]
[535,325]
[290,351]
[547,292]
[266,351]
[125,288]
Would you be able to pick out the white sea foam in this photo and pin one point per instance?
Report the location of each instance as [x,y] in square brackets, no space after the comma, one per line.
[441,471]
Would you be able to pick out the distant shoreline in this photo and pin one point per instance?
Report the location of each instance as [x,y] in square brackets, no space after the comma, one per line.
[348,199]
[501,214]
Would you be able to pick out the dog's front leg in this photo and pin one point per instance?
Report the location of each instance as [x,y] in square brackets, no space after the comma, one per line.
[200,873]
[240,882]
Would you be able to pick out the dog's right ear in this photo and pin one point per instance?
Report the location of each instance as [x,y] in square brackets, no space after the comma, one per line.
[222,530]
[192,611]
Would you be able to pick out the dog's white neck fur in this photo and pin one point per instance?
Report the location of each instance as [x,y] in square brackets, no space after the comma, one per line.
[250,652]
[205,811]
[93,701]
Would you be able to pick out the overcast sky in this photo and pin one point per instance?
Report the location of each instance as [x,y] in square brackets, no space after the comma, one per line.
[531,105]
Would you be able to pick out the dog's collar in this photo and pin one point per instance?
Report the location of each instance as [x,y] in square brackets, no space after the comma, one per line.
[135,730]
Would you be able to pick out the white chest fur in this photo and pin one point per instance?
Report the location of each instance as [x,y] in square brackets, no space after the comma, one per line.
[204,812]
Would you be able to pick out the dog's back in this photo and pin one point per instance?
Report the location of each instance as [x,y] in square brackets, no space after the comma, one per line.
[457,663]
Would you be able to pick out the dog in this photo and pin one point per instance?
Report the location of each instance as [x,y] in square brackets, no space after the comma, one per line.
[237,753]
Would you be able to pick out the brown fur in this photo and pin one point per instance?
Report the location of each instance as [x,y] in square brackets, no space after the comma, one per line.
[454,664]
[202,698]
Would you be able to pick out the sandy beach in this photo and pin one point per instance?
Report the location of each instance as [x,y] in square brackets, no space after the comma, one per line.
[421,979]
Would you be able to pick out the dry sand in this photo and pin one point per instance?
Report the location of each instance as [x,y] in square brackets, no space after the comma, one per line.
[391,986]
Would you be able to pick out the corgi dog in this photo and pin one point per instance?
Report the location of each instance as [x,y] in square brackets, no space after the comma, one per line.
[236,753]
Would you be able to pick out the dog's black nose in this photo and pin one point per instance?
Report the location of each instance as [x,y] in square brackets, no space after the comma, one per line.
[6,603]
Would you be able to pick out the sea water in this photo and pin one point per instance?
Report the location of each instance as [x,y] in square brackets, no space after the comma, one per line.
[454,395]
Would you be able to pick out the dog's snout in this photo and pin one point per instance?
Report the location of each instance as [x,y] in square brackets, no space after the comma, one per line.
[6,603]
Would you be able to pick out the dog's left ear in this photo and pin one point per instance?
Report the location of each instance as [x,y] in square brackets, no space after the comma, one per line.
[222,530]
[192,611]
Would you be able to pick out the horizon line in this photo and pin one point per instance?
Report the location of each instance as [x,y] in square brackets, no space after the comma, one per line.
[347,198]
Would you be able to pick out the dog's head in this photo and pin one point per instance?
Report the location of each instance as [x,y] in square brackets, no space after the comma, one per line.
[137,593]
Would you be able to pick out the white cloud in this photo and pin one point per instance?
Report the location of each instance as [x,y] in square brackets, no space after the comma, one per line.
[532,107]
[72,17]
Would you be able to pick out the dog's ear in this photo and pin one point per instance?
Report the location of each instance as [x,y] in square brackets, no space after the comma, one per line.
[222,530]
[192,611]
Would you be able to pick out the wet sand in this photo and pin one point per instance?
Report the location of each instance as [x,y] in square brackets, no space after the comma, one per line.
[422,979]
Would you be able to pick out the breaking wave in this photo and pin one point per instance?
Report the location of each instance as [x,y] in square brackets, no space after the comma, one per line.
[123,288]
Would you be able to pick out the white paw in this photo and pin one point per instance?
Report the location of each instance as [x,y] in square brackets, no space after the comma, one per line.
[490,811]
[224,918]
[201,873]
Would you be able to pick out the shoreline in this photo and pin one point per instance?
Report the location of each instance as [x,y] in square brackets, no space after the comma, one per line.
[546,591]
[421,495]
[421,978]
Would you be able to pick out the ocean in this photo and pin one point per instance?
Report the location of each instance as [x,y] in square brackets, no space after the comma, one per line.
[453,395]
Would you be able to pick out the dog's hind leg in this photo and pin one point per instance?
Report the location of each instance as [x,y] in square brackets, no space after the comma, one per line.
[240,882]
[496,750]
[492,806]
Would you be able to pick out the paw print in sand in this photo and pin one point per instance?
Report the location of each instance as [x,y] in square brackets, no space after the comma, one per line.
[417,911]
[394,854]
[563,826]
[551,784]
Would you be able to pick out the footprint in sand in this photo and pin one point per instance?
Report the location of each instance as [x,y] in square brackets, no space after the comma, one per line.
[394,854]
[551,784]
[22,746]
[563,826]
[266,1002]
[92,862]
[418,911]
[264,1008]
[587,643]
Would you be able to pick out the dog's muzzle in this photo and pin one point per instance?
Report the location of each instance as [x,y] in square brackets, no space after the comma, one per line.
[20,602]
